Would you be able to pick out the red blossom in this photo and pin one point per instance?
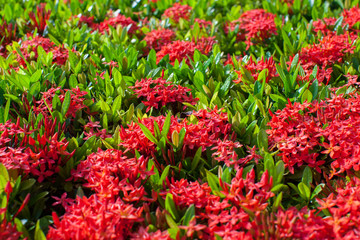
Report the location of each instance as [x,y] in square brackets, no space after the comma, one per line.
[121,20]
[41,156]
[178,11]
[302,131]
[256,67]
[160,92]
[95,218]
[330,50]
[77,98]
[177,50]
[351,16]
[8,35]
[325,25]
[183,50]
[158,38]
[38,21]
[202,23]
[255,26]
[29,48]
[111,172]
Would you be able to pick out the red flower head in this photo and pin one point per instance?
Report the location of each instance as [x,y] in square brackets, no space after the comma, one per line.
[178,11]
[202,23]
[177,50]
[256,67]
[325,25]
[158,38]
[29,48]
[118,20]
[351,16]
[39,20]
[330,50]
[8,34]
[160,92]
[95,218]
[254,26]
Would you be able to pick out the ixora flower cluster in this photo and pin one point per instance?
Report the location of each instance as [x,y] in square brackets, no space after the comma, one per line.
[179,120]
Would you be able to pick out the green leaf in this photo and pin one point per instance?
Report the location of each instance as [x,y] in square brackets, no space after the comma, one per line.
[164,175]
[269,164]
[27,184]
[7,110]
[166,127]
[36,76]
[170,206]
[213,181]
[196,159]
[189,214]
[307,176]
[116,106]
[66,103]
[4,172]
[317,190]
[304,191]
[277,202]
[172,224]
[147,133]
[39,235]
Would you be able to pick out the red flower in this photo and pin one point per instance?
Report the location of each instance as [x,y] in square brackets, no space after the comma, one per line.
[202,23]
[183,50]
[29,48]
[118,20]
[351,16]
[256,67]
[39,21]
[8,34]
[95,218]
[178,11]
[177,50]
[160,92]
[255,26]
[325,25]
[158,38]
[77,99]
[330,50]
[299,130]
[110,172]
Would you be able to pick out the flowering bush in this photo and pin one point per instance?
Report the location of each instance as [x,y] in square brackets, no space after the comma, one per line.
[179,119]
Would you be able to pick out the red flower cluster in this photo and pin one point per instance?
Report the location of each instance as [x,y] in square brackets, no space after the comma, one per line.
[38,21]
[29,51]
[351,16]
[254,26]
[256,67]
[202,23]
[179,50]
[92,127]
[325,25]
[160,92]
[302,131]
[158,38]
[95,218]
[210,127]
[187,193]
[110,173]
[77,98]
[178,11]
[8,33]
[118,20]
[41,156]
[330,50]
[244,196]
